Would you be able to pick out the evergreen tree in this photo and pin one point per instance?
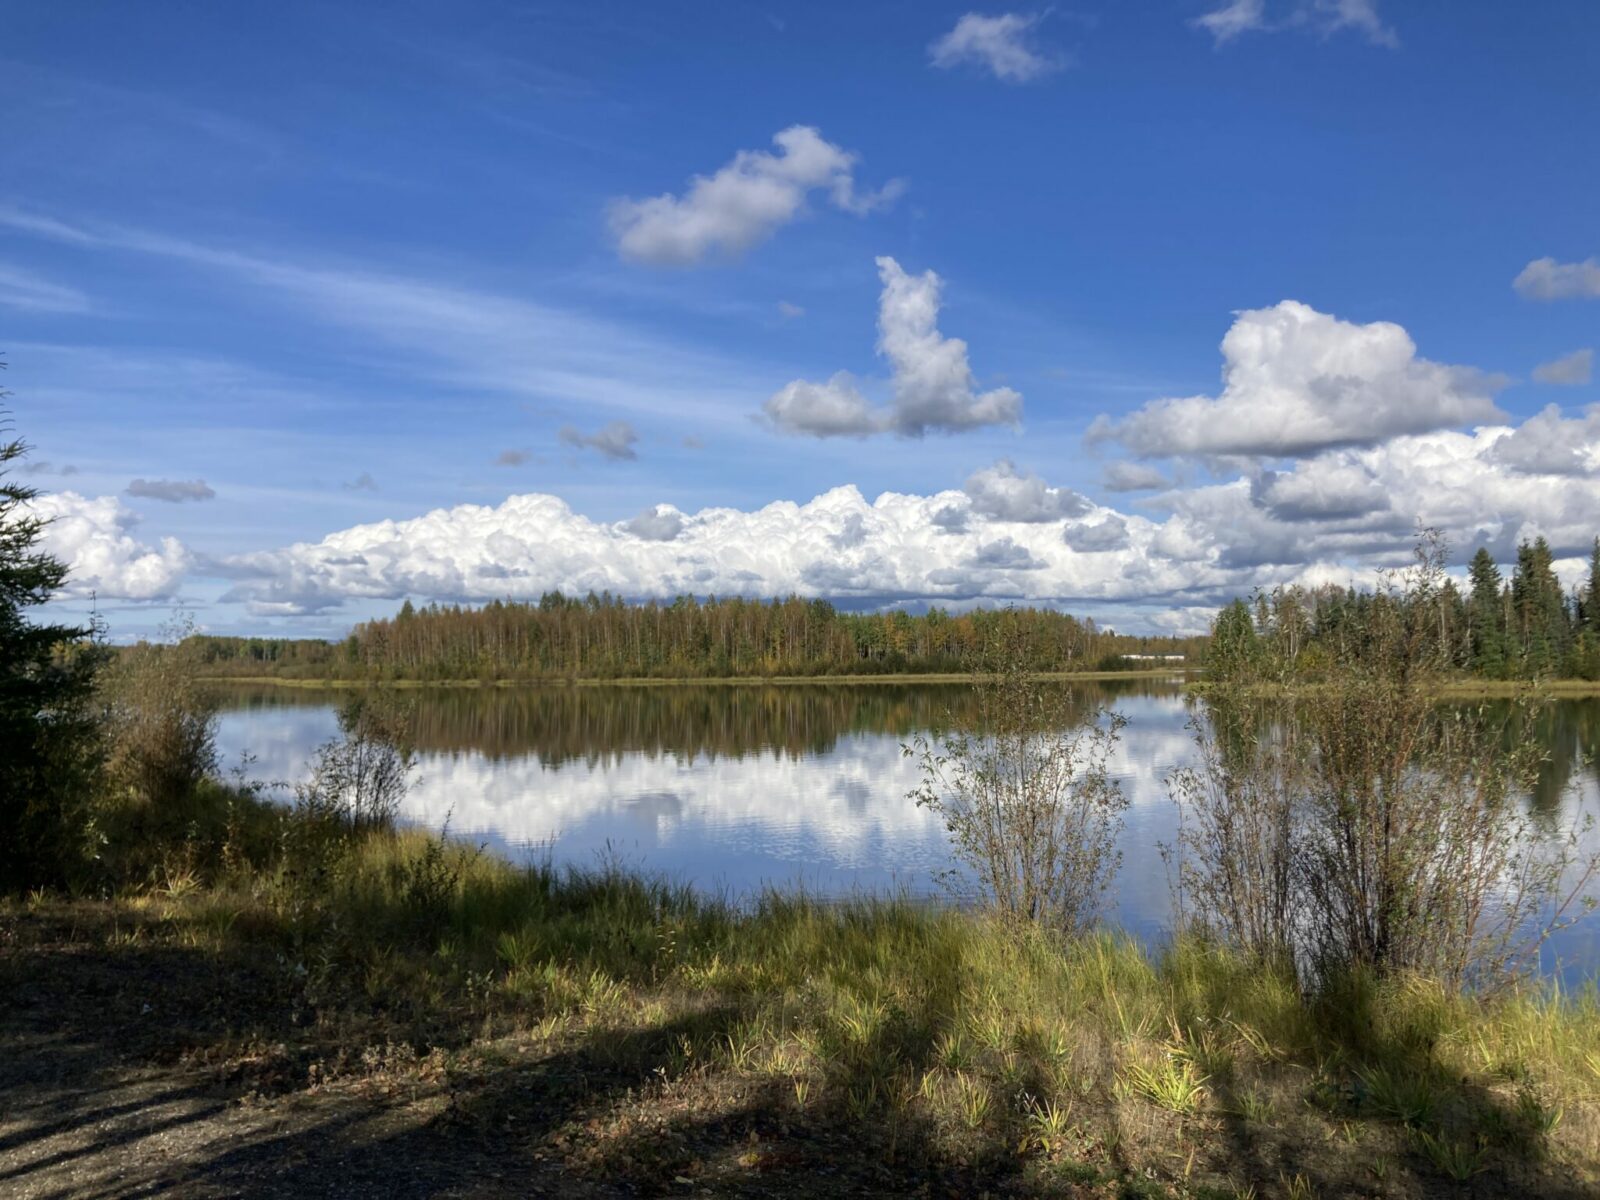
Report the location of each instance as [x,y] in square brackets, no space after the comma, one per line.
[46,728]
[1589,598]
[1542,633]
[1484,616]
[1585,662]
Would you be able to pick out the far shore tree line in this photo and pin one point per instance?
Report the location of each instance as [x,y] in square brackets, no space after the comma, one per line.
[1521,627]
[607,637]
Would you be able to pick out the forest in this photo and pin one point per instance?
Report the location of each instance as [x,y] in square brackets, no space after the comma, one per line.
[1523,627]
[606,637]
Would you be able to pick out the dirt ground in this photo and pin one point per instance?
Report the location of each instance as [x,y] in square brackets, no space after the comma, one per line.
[142,1071]
[132,1066]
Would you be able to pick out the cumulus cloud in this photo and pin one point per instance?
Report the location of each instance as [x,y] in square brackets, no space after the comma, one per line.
[932,382]
[94,537]
[1005,554]
[1332,518]
[838,544]
[1547,279]
[1570,369]
[1547,444]
[1298,382]
[744,203]
[614,440]
[173,491]
[1004,493]
[1322,17]
[1320,490]
[1094,537]
[999,45]
[659,523]
[832,409]
[1132,477]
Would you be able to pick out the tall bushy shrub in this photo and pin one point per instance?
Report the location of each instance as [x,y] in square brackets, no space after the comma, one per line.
[1024,788]
[1363,825]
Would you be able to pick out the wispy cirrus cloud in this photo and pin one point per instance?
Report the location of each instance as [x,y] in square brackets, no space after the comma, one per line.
[453,334]
[30,292]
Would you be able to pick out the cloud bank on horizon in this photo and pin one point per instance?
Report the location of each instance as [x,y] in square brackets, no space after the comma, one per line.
[1005,537]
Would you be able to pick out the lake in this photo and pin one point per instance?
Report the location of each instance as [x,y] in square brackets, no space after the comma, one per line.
[733,788]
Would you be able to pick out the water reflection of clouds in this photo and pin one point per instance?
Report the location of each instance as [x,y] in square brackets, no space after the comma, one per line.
[835,819]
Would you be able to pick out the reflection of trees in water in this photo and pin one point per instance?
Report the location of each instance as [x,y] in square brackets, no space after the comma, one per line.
[1567,729]
[1569,732]
[562,724]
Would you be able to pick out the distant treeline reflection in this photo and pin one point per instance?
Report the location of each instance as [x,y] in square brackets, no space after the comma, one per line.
[562,724]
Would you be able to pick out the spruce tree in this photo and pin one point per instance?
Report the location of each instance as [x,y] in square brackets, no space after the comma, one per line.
[1484,616]
[46,674]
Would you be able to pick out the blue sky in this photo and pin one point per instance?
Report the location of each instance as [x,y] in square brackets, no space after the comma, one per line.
[343,265]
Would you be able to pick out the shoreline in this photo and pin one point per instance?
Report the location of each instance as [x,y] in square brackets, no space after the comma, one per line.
[1177,675]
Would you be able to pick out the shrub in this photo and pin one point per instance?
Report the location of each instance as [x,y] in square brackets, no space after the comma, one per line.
[1024,790]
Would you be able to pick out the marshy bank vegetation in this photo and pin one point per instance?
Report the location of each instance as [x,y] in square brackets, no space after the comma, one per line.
[207,988]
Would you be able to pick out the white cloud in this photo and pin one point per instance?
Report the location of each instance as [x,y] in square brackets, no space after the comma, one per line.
[1335,517]
[932,381]
[1004,493]
[659,523]
[1547,444]
[93,536]
[1005,554]
[614,440]
[832,409]
[1321,17]
[28,292]
[997,44]
[1094,537]
[1547,279]
[1297,382]
[172,491]
[1359,15]
[1321,489]
[1234,18]
[1133,477]
[790,312]
[744,203]
[1569,370]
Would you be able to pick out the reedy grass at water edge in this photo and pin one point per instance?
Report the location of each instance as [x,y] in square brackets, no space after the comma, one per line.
[983,1041]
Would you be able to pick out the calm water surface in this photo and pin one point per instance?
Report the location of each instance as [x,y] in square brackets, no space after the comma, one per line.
[734,788]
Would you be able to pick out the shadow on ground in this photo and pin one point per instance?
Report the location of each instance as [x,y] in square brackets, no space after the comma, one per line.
[132,1067]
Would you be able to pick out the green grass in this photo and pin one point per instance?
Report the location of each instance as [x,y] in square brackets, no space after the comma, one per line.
[998,1043]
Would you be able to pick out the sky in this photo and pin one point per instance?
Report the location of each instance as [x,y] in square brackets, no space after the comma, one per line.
[1123,308]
